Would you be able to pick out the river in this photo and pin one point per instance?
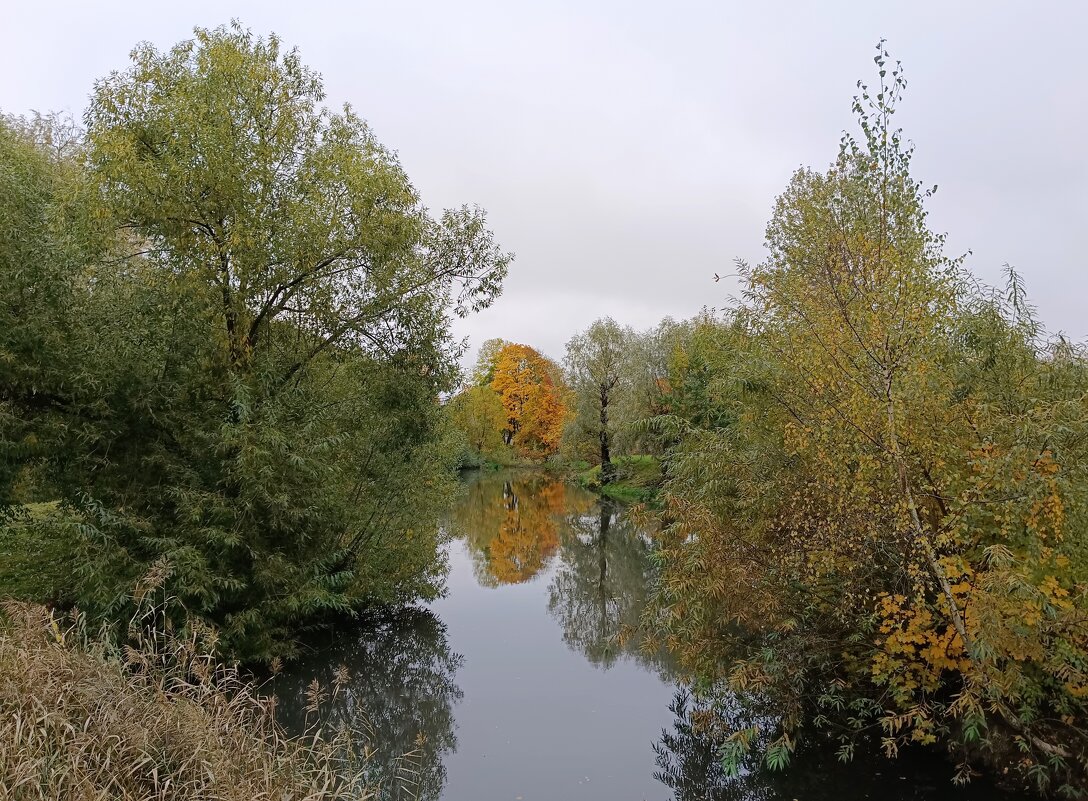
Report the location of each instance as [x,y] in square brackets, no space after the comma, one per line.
[518,686]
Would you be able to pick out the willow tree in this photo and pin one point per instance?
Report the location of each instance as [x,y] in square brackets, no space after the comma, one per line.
[270,345]
[50,232]
[219,158]
[897,501]
[600,374]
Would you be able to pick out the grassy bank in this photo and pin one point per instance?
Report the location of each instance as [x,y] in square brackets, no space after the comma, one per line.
[160,720]
[495,457]
[637,479]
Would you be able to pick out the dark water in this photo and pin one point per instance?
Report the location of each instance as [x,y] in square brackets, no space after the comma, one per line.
[515,687]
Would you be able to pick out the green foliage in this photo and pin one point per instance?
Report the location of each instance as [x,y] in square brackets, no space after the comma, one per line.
[232,368]
[37,548]
[879,474]
[477,414]
[49,230]
[637,478]
[600,378]
[483,372]
[694,381]
[622,384]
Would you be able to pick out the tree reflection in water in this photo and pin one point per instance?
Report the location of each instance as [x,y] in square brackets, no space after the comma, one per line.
[397,702]
[517,525]
[600,587]
[688,757]
[400,692]
[512,525]
[689,763]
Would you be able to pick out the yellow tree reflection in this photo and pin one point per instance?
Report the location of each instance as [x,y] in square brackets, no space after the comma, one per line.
[512,525]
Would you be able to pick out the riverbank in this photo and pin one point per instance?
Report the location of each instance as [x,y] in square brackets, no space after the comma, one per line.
[530,652]
[638,478]
[162,718]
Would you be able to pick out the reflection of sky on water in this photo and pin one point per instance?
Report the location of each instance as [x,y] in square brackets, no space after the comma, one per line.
[539,719]
[514,685]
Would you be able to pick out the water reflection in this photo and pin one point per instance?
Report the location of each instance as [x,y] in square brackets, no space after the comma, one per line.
[396,702]
[511,525]
[516,526]
[546,579]
[600,588]
[688,758]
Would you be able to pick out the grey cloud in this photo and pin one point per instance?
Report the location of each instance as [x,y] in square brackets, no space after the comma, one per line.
[628,150]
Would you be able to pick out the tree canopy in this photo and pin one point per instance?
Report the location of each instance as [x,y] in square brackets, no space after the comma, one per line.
[886,490]
[240,336]
[532,391]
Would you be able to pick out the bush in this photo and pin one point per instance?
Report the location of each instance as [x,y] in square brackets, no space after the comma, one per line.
[36,555]
[637,478]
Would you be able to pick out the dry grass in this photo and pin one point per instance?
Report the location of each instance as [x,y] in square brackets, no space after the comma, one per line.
[159,720]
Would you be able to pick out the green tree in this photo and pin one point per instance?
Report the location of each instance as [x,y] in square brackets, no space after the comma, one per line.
[260,355]
[598,367]
[48,235]
[477,413]
[483,372]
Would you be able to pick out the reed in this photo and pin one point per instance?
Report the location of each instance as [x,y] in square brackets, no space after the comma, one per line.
[158,718]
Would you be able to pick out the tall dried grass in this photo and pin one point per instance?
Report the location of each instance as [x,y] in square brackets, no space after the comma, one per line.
[159,719]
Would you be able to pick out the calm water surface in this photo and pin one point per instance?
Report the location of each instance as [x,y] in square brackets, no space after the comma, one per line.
[513,687]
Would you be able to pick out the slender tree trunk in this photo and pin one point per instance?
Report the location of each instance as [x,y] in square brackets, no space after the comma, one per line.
[608,470]
[916,523]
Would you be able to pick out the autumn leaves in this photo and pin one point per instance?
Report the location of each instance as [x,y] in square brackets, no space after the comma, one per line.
[515,406]
[892,502]
[531,390]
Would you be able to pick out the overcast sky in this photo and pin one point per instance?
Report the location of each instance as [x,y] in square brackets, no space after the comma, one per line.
[627,151]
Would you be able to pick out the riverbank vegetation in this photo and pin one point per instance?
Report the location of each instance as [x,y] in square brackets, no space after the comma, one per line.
[224,331]
[513,408]
[160,719]
[224,344]
[587,419]
[874,497]
[875,525]
[634,478]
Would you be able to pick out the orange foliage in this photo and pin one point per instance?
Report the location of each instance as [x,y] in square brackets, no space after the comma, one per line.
[513,526]
[518,554]
[532,394]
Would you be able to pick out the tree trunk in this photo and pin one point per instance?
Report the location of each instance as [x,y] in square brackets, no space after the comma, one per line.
[916,523]
[608,470]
